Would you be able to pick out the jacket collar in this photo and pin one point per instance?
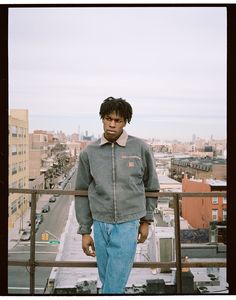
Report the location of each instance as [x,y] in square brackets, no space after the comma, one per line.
[122,140]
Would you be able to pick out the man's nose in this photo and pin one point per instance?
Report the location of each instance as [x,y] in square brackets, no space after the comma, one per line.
[112,123]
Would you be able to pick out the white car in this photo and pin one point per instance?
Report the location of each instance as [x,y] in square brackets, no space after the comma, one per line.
[25,235]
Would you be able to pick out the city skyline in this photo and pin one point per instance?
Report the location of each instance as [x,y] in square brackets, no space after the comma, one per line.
[168,62]
[85,133]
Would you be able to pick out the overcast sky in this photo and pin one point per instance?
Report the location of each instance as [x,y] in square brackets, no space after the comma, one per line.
[168,62]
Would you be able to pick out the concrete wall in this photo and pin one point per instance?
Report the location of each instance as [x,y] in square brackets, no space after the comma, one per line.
[203,250]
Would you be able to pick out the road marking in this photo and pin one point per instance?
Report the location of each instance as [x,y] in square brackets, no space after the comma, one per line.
[37,244]
[23,288]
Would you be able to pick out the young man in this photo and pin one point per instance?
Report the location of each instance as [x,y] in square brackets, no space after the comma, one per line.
[116,170]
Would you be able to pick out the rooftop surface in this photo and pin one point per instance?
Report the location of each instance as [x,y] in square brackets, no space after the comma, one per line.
[167,180]
[212,182]
[71,250]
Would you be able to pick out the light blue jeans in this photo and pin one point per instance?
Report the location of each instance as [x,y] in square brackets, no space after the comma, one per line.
[115,246]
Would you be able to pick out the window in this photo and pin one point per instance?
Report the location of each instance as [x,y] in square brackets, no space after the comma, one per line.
[224,215]
[224,200]
[14,150]
[214,200]
[14,185]
[20,149]
[21,183]
[14,169]
[214,214]
[20,132]
[13,207]
[20,201]
[14,131]
[20,168]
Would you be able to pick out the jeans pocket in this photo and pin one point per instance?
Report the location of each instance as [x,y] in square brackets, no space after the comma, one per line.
[132,225]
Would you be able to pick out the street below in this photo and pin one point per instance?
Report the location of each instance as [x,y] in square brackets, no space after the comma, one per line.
[53,224]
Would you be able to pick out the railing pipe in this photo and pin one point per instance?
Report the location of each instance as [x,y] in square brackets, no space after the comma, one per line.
[147,194]
[32,243]
[177,245]
[93,264]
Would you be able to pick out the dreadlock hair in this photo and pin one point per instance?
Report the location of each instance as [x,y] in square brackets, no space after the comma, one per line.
[119,105]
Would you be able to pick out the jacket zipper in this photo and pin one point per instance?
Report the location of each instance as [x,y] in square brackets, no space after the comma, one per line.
[114,179]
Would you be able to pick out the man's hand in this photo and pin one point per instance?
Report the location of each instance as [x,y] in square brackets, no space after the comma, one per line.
[88,245]
[143,232]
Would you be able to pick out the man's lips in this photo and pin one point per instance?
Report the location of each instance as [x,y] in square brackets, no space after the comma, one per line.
[111,131]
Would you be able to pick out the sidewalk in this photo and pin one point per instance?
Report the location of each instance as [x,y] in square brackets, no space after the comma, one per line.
[14,233]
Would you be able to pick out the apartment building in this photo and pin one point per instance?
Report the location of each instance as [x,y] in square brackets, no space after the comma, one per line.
[198,168]
[74,148]
[38,151]
[18,163]
[200,211]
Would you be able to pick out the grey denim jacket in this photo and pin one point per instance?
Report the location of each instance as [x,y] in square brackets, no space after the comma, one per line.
[116,176]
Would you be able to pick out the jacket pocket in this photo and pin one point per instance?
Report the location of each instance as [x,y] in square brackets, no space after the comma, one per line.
[131,165]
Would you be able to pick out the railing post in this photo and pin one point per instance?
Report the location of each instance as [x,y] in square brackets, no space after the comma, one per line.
[32,242]
[177,245]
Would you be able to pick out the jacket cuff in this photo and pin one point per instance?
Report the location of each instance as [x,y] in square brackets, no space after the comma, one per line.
[148,218]
[84,229]
[145,221]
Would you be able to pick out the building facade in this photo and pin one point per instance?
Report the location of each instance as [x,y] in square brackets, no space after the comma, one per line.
[38,151]
[200,211]
[18,163]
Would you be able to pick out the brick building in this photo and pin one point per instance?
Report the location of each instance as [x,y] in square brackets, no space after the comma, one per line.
[200,211]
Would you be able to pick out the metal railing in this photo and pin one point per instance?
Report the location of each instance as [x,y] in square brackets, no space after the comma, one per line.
[178,264]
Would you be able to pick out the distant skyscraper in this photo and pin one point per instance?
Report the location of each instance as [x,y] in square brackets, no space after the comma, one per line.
[194,138]
[79,131]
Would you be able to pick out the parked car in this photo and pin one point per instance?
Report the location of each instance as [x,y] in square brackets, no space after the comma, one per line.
[36,224]
[46,208]
[64,183]
[39,217]
[25,235]
[52,199]
[60,182]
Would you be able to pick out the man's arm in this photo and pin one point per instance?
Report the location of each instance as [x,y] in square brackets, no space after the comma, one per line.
[88,245]
[151,184]
[82,208]
[143,232]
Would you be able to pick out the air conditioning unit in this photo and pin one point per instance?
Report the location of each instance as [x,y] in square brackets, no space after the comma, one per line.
[161,247]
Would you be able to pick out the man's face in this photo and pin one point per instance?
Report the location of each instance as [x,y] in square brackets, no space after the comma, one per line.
[113,125]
